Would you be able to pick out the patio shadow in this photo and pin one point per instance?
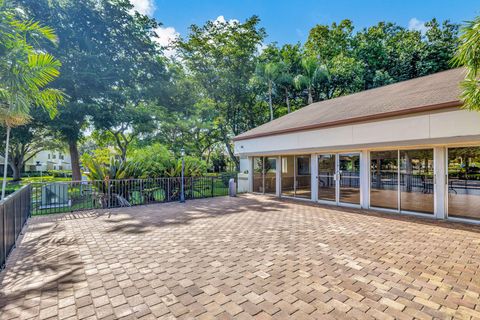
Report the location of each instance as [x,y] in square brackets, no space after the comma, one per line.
[139,219]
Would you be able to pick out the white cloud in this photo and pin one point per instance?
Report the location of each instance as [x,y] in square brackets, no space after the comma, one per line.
[415,24]
[146,7]
[261,47]
[221,19]
[165,38]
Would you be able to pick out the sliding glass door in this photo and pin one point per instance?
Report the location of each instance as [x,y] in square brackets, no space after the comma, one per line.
[270,180]
[402,180]
[384,179]
[264,174]
[464,182]
[416,180]
[288,176]
[339,178]
[327,168]
[296,177]
[349,173]
[303,178]
[258,174]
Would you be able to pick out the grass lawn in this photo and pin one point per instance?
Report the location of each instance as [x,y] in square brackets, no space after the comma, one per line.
[14,186]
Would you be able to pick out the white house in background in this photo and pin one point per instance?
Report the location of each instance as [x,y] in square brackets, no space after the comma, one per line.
[406,148]
[49,160]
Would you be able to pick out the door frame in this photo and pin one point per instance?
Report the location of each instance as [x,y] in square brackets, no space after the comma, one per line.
[337,178]
[399,191]
[447,187]
[264,159]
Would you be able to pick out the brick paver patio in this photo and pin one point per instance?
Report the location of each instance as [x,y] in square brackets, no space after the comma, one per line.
[242,258]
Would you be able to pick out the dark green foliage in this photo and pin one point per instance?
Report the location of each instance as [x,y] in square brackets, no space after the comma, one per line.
[144,108]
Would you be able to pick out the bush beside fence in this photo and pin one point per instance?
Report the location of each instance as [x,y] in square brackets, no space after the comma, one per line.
[14,213]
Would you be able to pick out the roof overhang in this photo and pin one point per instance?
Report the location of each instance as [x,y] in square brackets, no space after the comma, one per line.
[409,111]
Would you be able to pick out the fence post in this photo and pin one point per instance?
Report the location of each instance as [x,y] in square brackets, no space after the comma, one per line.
[29,202]
[213,186]
[168,191]
[14,222]
[4,235]
[108,195]
[191,188]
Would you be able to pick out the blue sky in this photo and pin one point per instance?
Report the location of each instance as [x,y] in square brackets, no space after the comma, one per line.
[290,21]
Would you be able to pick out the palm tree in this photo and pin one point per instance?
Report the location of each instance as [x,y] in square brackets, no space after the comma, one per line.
[24,72]
[468,55]
[268,73]
[285,82]
[313,72]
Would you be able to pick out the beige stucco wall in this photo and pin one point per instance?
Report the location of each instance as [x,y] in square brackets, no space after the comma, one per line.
[436,128]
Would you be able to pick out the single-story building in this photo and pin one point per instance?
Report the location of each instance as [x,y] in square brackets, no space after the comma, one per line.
[406,148]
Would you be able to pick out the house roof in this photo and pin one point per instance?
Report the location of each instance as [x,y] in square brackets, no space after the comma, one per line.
[433,92]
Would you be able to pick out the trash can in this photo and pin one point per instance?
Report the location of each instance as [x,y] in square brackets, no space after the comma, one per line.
[232,188]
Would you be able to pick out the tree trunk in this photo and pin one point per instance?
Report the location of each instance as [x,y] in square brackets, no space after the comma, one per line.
[310,97]
[231,153]
[16,169]
[287,100]
[270,104]
[208,158]
[123,154]
[75,158]
[5,164]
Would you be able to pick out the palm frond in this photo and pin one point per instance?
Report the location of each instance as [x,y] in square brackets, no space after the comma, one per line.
[49,99]
[34,27]
[300,81]
[471,93]
[41,69]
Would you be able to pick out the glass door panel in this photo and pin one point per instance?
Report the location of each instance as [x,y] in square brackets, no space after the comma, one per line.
[384,179]
[464,182]
[416,180]
[303,177]
[258,174]
[326,177]
[349,183]
[288,176]
[270,175]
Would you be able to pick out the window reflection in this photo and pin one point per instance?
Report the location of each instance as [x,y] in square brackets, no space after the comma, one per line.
[464,182]
[384,179]
[296,178]
[416,180]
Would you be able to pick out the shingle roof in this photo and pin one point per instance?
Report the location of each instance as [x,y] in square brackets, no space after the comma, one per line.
[432,92]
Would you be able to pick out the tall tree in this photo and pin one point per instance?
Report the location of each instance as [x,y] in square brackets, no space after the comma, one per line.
[326,42]
[268,74]
[222,56]
[285,83]
[24,74]
[105,49]
[468,55]
[312,74]
[441,42]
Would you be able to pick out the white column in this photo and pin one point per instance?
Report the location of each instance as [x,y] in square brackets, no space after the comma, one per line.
[250,174]
[440,179]
[314,177]
[278,177]
[365,179]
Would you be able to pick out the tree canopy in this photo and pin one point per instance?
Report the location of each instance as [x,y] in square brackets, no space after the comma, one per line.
[123,94]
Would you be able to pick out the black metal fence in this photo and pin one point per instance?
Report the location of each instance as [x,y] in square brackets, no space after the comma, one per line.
[14,213]
[57,197]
